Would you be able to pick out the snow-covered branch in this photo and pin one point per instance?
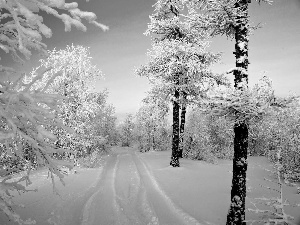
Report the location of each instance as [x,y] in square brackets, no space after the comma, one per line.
[22,28]
[245,104]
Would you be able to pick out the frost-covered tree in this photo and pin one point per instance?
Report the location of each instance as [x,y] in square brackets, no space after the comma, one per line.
[126,131]
[178,63]
[236,213]
[207,137]
[279,134]
[212,127]
[103,122]
[230,18]
[26,112]
[151,124]
[76,85]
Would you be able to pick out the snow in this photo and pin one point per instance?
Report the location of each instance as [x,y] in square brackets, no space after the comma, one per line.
[205,193]
[71,5]
[77,13]
[141,188]
[44,205]
[242,45]
[242,59]
[57,3]
[46,31]
[203,189]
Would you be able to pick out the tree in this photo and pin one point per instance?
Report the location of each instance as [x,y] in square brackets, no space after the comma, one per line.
[76,84]
[236,214]
[151,124]
[103,123]
[230,18]
[278,134]
[126,131]
[26,113]
[207,137]
[182,125]
[178,64]
[209,134]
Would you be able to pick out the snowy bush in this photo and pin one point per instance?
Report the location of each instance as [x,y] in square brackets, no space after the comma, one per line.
[126,131]
[103,122]
[93,158]
[213,136]
[282,134]
[151,128]
[273,125]
[207,137]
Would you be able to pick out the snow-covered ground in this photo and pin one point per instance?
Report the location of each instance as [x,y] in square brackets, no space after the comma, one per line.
[48,208]
[203,190]
[141,188]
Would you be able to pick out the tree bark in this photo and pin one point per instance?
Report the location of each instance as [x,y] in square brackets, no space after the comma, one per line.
[153,138]
[236,213]
[182,125]
[175,138]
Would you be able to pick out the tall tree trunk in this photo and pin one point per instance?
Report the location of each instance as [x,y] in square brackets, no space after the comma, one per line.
[182,125]
[175,138]
[149,141]
[236,213]
[153,138]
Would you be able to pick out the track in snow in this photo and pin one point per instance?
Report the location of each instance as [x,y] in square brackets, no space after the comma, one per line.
[128,194]
[122,192]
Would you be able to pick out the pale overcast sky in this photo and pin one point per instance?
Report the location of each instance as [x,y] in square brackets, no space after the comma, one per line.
[275,48]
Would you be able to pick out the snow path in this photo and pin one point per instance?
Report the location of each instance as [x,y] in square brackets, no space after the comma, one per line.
[102,202]
[122,192]
[130,195]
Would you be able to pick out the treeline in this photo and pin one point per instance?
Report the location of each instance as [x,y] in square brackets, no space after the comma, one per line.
[145,131]
[209,137]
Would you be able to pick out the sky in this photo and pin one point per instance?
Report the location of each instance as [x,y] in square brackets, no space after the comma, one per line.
[274,50]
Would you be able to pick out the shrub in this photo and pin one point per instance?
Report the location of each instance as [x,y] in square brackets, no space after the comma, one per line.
[207,137]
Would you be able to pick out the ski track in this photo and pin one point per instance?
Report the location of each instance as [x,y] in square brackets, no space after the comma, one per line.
[128,194]
[131,194]
[121,198]
[181,217]
[101,207]
[125,192]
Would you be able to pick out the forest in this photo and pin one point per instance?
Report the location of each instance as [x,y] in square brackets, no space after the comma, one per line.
[54,120]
